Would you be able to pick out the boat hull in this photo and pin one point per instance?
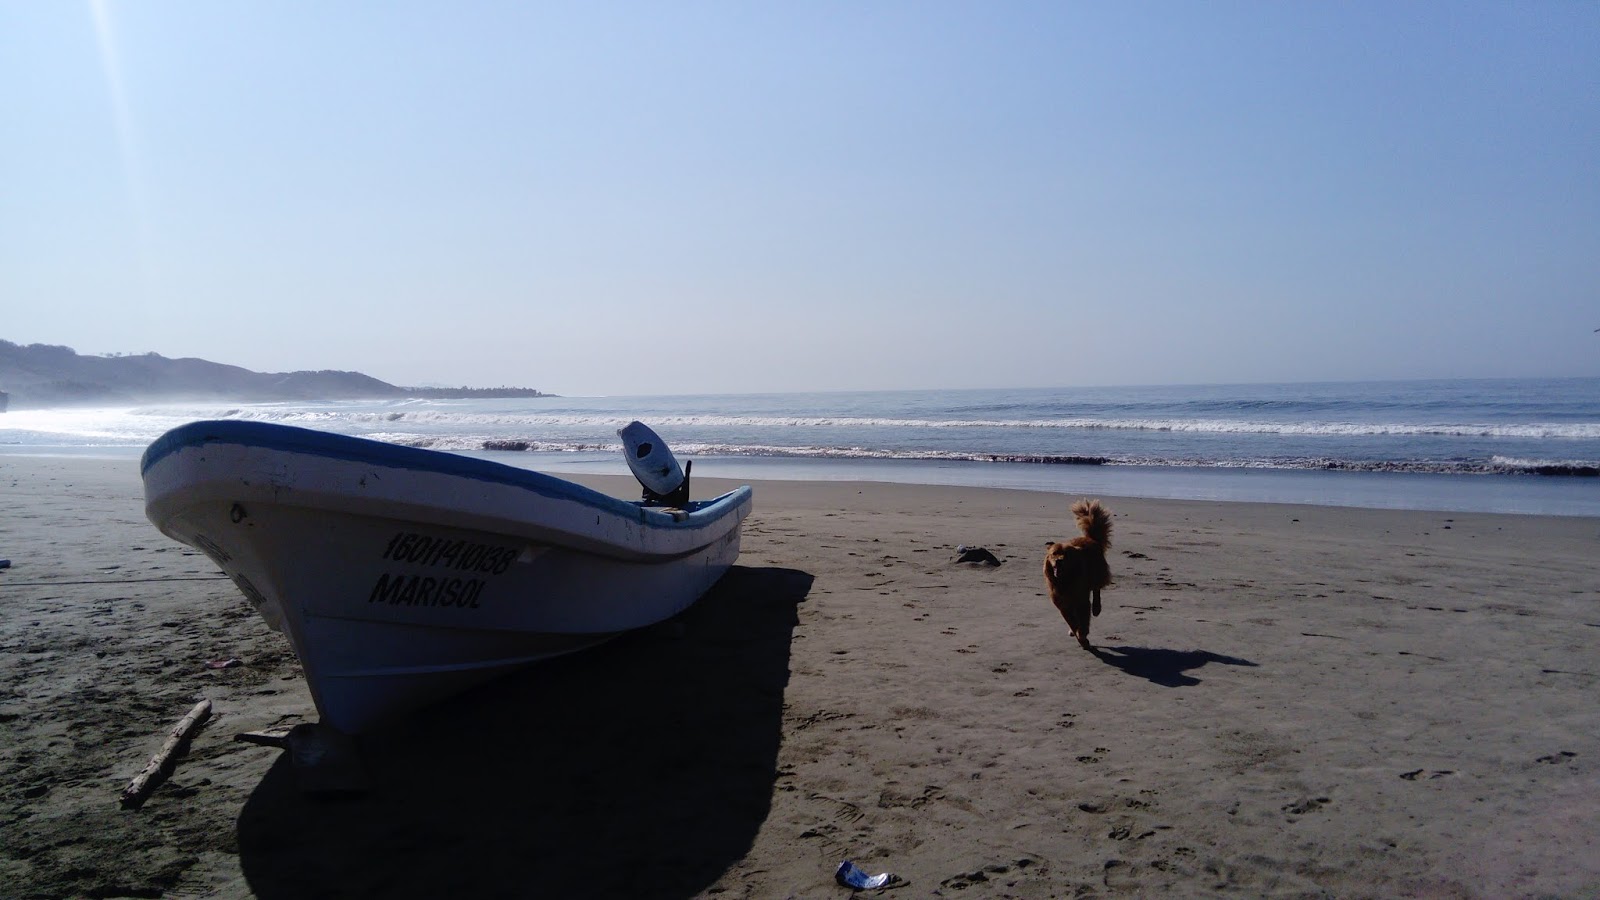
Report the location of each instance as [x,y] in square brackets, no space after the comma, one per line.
[403,576]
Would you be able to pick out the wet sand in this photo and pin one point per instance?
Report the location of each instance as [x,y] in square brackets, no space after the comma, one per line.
[1286,701]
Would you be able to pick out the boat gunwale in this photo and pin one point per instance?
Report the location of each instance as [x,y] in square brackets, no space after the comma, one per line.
[273,436]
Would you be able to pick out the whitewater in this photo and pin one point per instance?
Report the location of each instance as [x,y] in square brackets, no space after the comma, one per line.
[1511,445]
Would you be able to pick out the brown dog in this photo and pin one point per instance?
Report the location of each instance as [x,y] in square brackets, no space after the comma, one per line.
[1076,570]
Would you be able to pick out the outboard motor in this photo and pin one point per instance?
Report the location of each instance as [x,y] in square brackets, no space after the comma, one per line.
[665,484]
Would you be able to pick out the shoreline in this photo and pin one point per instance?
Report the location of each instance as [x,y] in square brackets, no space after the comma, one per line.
[1288,700]
[1537,495]
[1513,494]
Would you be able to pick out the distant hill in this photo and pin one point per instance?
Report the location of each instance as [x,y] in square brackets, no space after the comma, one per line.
[38,375]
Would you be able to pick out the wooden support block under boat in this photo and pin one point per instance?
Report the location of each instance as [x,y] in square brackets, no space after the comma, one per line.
[325,760]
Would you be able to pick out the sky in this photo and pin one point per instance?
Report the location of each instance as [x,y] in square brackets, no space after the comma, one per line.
[729,197]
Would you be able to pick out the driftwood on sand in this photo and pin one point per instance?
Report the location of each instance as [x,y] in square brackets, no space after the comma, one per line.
[162,763]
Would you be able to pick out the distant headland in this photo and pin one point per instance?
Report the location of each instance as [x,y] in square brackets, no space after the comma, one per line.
[42,375]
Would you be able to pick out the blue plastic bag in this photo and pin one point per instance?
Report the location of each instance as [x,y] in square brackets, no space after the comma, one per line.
[853,876]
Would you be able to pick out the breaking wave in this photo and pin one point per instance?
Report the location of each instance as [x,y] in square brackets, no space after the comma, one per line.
[1492,466]
[439,418]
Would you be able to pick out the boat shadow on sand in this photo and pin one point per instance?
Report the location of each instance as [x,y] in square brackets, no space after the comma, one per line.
[640,768]
[1164,667]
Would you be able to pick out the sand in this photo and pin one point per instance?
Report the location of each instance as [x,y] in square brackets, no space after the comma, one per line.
[1289,701]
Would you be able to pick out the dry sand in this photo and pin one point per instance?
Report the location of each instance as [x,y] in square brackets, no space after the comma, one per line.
[1289,701]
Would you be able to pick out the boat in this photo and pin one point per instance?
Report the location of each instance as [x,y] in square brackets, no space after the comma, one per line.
[402,576]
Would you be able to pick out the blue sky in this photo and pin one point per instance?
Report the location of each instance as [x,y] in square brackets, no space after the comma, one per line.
[625,198]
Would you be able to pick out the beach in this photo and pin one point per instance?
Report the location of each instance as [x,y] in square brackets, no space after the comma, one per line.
[1288,701]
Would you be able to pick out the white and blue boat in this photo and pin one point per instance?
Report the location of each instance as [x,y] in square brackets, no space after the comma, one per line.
[402,576]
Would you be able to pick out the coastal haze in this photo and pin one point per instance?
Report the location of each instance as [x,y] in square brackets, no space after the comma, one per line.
[45,376]
[638,199]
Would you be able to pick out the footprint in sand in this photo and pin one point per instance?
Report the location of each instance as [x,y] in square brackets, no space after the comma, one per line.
[1302,807]
[994,871]
[1120,875]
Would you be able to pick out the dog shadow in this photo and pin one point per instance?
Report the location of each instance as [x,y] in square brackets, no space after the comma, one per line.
[1161,666]
[640,768]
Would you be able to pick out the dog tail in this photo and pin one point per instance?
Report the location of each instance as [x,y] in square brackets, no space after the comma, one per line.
[1095,520]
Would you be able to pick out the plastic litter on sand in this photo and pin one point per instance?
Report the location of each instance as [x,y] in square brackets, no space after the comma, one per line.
[853,876]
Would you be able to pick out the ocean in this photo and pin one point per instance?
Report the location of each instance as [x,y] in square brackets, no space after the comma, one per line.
[1507,445]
